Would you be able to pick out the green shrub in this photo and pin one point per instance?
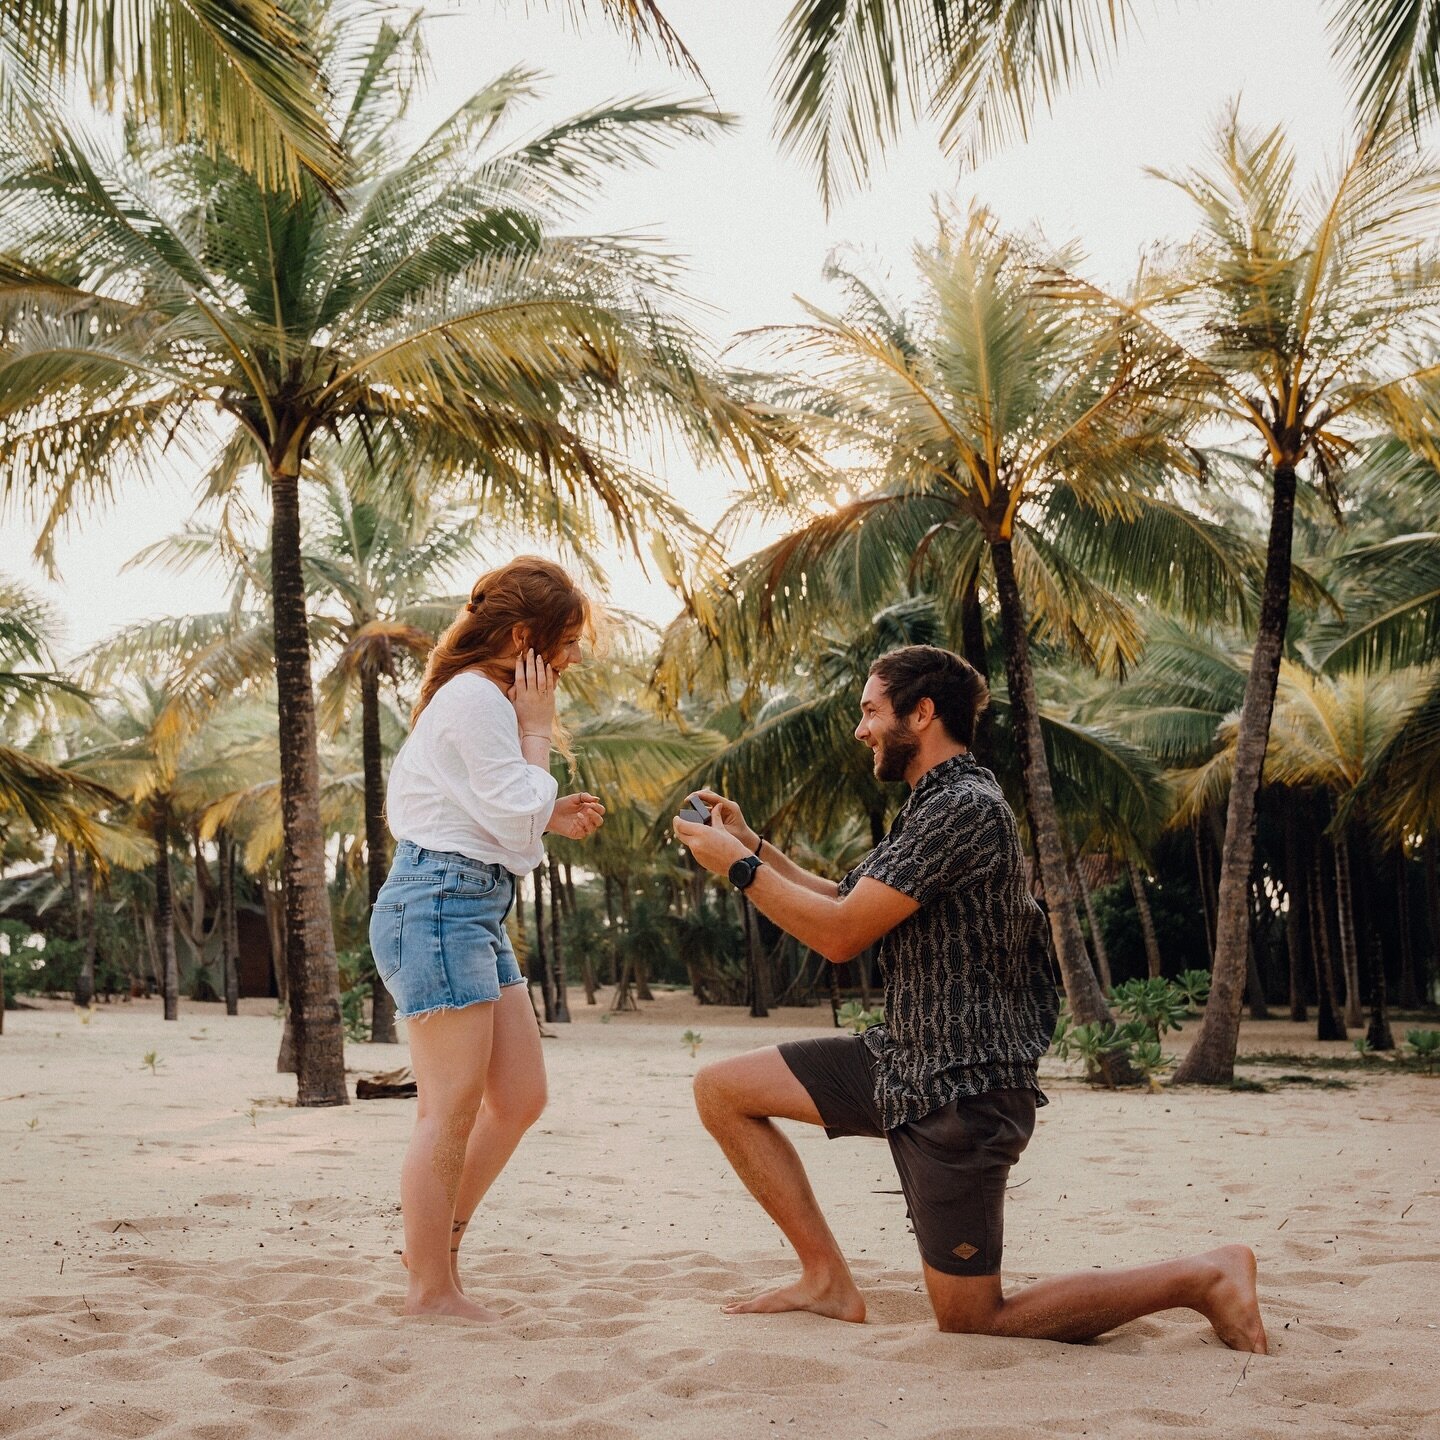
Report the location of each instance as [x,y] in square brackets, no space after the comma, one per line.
[1194,985]
[357,972]
[1145,1010]
[857,1018]
[1158,1004]
[1426,1045]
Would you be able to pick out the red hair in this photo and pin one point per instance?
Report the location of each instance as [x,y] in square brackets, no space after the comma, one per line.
[531,595]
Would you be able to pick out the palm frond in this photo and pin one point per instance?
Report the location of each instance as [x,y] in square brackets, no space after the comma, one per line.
[238,75]
[1391,49]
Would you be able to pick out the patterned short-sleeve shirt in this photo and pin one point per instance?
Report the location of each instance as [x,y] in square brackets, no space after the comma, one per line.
[969,1002]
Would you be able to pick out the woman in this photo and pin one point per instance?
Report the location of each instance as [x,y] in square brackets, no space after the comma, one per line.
[469,800]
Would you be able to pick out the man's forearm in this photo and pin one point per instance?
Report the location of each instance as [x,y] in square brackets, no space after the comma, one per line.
[811,917]
[787,869]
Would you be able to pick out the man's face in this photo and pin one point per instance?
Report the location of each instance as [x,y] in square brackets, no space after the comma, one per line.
[891,739]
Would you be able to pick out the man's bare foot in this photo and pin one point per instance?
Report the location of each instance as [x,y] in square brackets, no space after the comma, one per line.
[1229,1301]
[835,1297]
[449,1302]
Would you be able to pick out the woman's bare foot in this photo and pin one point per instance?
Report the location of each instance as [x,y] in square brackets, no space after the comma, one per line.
[457,1230]
[1229,1301]
[833,1296]
[449,1302]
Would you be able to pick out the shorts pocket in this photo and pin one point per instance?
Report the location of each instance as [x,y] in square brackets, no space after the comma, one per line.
[385,928]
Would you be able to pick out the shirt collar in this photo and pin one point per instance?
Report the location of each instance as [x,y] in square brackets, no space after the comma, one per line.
[945,771]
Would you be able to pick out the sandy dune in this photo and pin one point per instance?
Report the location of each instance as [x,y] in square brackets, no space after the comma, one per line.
[187,1255]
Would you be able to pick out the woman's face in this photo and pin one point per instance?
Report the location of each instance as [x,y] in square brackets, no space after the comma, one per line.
[567,655]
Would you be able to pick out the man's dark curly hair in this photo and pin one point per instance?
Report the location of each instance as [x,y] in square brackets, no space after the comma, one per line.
[952,684]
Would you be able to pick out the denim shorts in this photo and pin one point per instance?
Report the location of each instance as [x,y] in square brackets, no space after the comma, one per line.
[437,931]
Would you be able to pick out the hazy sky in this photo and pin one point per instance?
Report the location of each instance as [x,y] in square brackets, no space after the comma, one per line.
[750,222]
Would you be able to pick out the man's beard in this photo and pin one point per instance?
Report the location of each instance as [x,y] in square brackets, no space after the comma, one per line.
[894,754]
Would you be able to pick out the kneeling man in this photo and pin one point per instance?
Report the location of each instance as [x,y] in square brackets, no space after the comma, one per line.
[949,1080]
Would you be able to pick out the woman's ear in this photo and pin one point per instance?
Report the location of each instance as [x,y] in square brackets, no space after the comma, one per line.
[519,639]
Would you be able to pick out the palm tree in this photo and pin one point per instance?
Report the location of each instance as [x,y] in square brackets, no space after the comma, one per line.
[440,317]
[1007,430]
[37,788]
[150,747]
[1327,735]
[852,73]
[374,559]
[1295,315]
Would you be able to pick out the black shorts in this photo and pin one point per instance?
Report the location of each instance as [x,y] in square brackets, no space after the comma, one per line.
[953,1162]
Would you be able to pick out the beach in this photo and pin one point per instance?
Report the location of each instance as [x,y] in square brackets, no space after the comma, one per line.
[187,1254]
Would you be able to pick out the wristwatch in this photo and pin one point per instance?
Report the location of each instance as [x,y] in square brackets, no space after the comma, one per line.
[742,872]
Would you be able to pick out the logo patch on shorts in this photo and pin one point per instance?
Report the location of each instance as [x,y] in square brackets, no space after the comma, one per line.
[965,1251]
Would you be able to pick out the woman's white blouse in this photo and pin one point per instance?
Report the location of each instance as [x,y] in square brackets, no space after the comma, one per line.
[460,781]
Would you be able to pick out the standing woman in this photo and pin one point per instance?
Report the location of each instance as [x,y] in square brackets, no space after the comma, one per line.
[469,800]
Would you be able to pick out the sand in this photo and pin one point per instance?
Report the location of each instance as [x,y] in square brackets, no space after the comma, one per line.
[186,1254]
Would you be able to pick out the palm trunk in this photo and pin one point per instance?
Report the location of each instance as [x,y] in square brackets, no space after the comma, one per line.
[315,1020]
[1203,877]
[1254,983]
[83,993]
[1147,919]
[377,841]
[972,639]
[152,956]
[587,960]
[642,980]
[624,999]
[759,1000]
[557,952]
[542,950]
[1349,948]
[1378,1032]
[612,930]
[85,982]
[1211,1059]
[1087,1002]
[165,908]
[1409,991]
[1432,913]
[1097,936]
[229,928]
[1328,1022]
[1297,917]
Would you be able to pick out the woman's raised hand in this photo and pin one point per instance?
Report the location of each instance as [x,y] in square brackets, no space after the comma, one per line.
[577,817]
[533,694]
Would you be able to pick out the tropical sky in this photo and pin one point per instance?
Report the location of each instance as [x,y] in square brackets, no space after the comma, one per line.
[749,220]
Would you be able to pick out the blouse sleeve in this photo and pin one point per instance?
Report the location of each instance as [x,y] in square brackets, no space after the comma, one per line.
[499,788]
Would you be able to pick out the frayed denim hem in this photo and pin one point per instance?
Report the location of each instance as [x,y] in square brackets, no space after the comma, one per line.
[437,1009]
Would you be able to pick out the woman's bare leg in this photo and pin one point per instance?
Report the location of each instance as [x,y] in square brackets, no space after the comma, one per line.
[450,1055]
[515,1094]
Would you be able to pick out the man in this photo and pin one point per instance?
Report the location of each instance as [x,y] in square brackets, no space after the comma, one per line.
[950,1079]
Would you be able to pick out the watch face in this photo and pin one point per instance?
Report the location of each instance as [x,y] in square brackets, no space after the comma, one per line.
[742,872]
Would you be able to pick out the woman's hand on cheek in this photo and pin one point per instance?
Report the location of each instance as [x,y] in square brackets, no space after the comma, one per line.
[533,694]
